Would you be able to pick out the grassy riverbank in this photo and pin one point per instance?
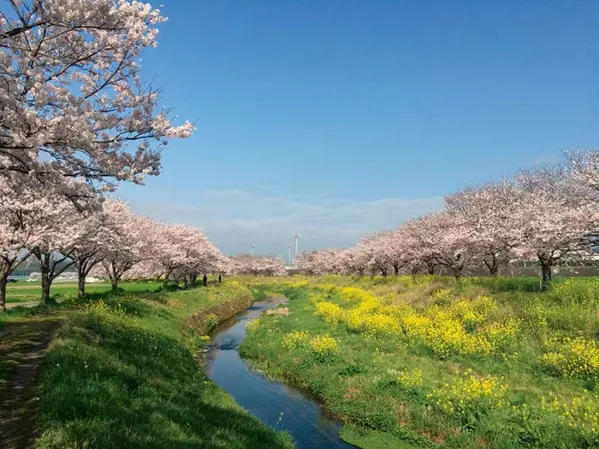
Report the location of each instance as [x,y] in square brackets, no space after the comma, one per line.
[421,362]
[122,373]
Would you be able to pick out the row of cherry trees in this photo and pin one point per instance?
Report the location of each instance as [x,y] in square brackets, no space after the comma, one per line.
[76,119]
[549,215]
[257,265]
[104,238]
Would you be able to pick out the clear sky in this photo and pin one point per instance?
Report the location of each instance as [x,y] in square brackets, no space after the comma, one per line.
[338,117]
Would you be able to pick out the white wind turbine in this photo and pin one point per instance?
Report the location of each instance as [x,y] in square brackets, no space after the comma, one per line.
[297,237]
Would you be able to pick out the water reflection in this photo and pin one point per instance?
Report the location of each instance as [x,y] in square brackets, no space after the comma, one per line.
[302,417]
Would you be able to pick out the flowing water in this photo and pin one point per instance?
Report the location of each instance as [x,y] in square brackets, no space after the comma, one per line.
[275,404]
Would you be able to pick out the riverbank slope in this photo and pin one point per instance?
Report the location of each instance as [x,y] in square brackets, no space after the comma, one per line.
[122,373]
[427,361]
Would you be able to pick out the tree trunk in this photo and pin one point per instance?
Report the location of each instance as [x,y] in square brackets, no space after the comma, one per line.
[3,282]
[46,283]
[81,287]
[457,272]
[430,265]
[115,284]
[492,265]
[80,280]
[546,265]
[7,265]
[396,269]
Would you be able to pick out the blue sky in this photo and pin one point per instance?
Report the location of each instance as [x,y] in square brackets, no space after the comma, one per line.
[337,118]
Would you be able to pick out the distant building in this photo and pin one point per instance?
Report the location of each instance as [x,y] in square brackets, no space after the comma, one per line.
[34,277]
[68,276]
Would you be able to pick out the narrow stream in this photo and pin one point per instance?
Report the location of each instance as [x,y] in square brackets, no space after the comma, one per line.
[302,417]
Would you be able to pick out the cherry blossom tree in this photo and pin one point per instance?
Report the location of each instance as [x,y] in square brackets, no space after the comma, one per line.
[455,249]
[255,265]
[43,223]
[378,252]
[319,262]
[305,262]
[87,250]
[71,93]
[176,253]
[147,269]
[208,259]
[387,250]
[56,226]
[184,253]
[169,247]
[438,239]
[583,167]
[551,218]
[487,213]
[354,260]
[421,238]
[126,240]
[15,232]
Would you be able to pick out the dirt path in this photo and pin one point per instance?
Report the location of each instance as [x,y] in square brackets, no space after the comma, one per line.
[28,304]
[22,347]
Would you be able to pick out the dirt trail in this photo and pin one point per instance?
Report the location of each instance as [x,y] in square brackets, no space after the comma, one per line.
[23,344]
[28,304]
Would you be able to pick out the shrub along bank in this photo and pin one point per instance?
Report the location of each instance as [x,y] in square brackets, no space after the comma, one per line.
[429,361]
[122,373]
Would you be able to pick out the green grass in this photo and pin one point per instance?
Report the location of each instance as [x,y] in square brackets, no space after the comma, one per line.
[372,439]
[17,338]
[122,373]
[122,370]
[20,324]
[31,291]
[394,386]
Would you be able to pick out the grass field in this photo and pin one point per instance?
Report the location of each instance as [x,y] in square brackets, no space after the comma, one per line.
[20,326]
[122,372]
[20,292]
[425,362]
[408,362]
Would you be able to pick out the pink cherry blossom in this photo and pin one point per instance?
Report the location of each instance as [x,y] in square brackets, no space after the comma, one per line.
[247,264]
[324,261]
[73,101]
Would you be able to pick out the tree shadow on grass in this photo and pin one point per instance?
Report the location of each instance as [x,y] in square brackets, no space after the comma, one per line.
[21,351]
[108,384]
[16,340]
[506,283]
